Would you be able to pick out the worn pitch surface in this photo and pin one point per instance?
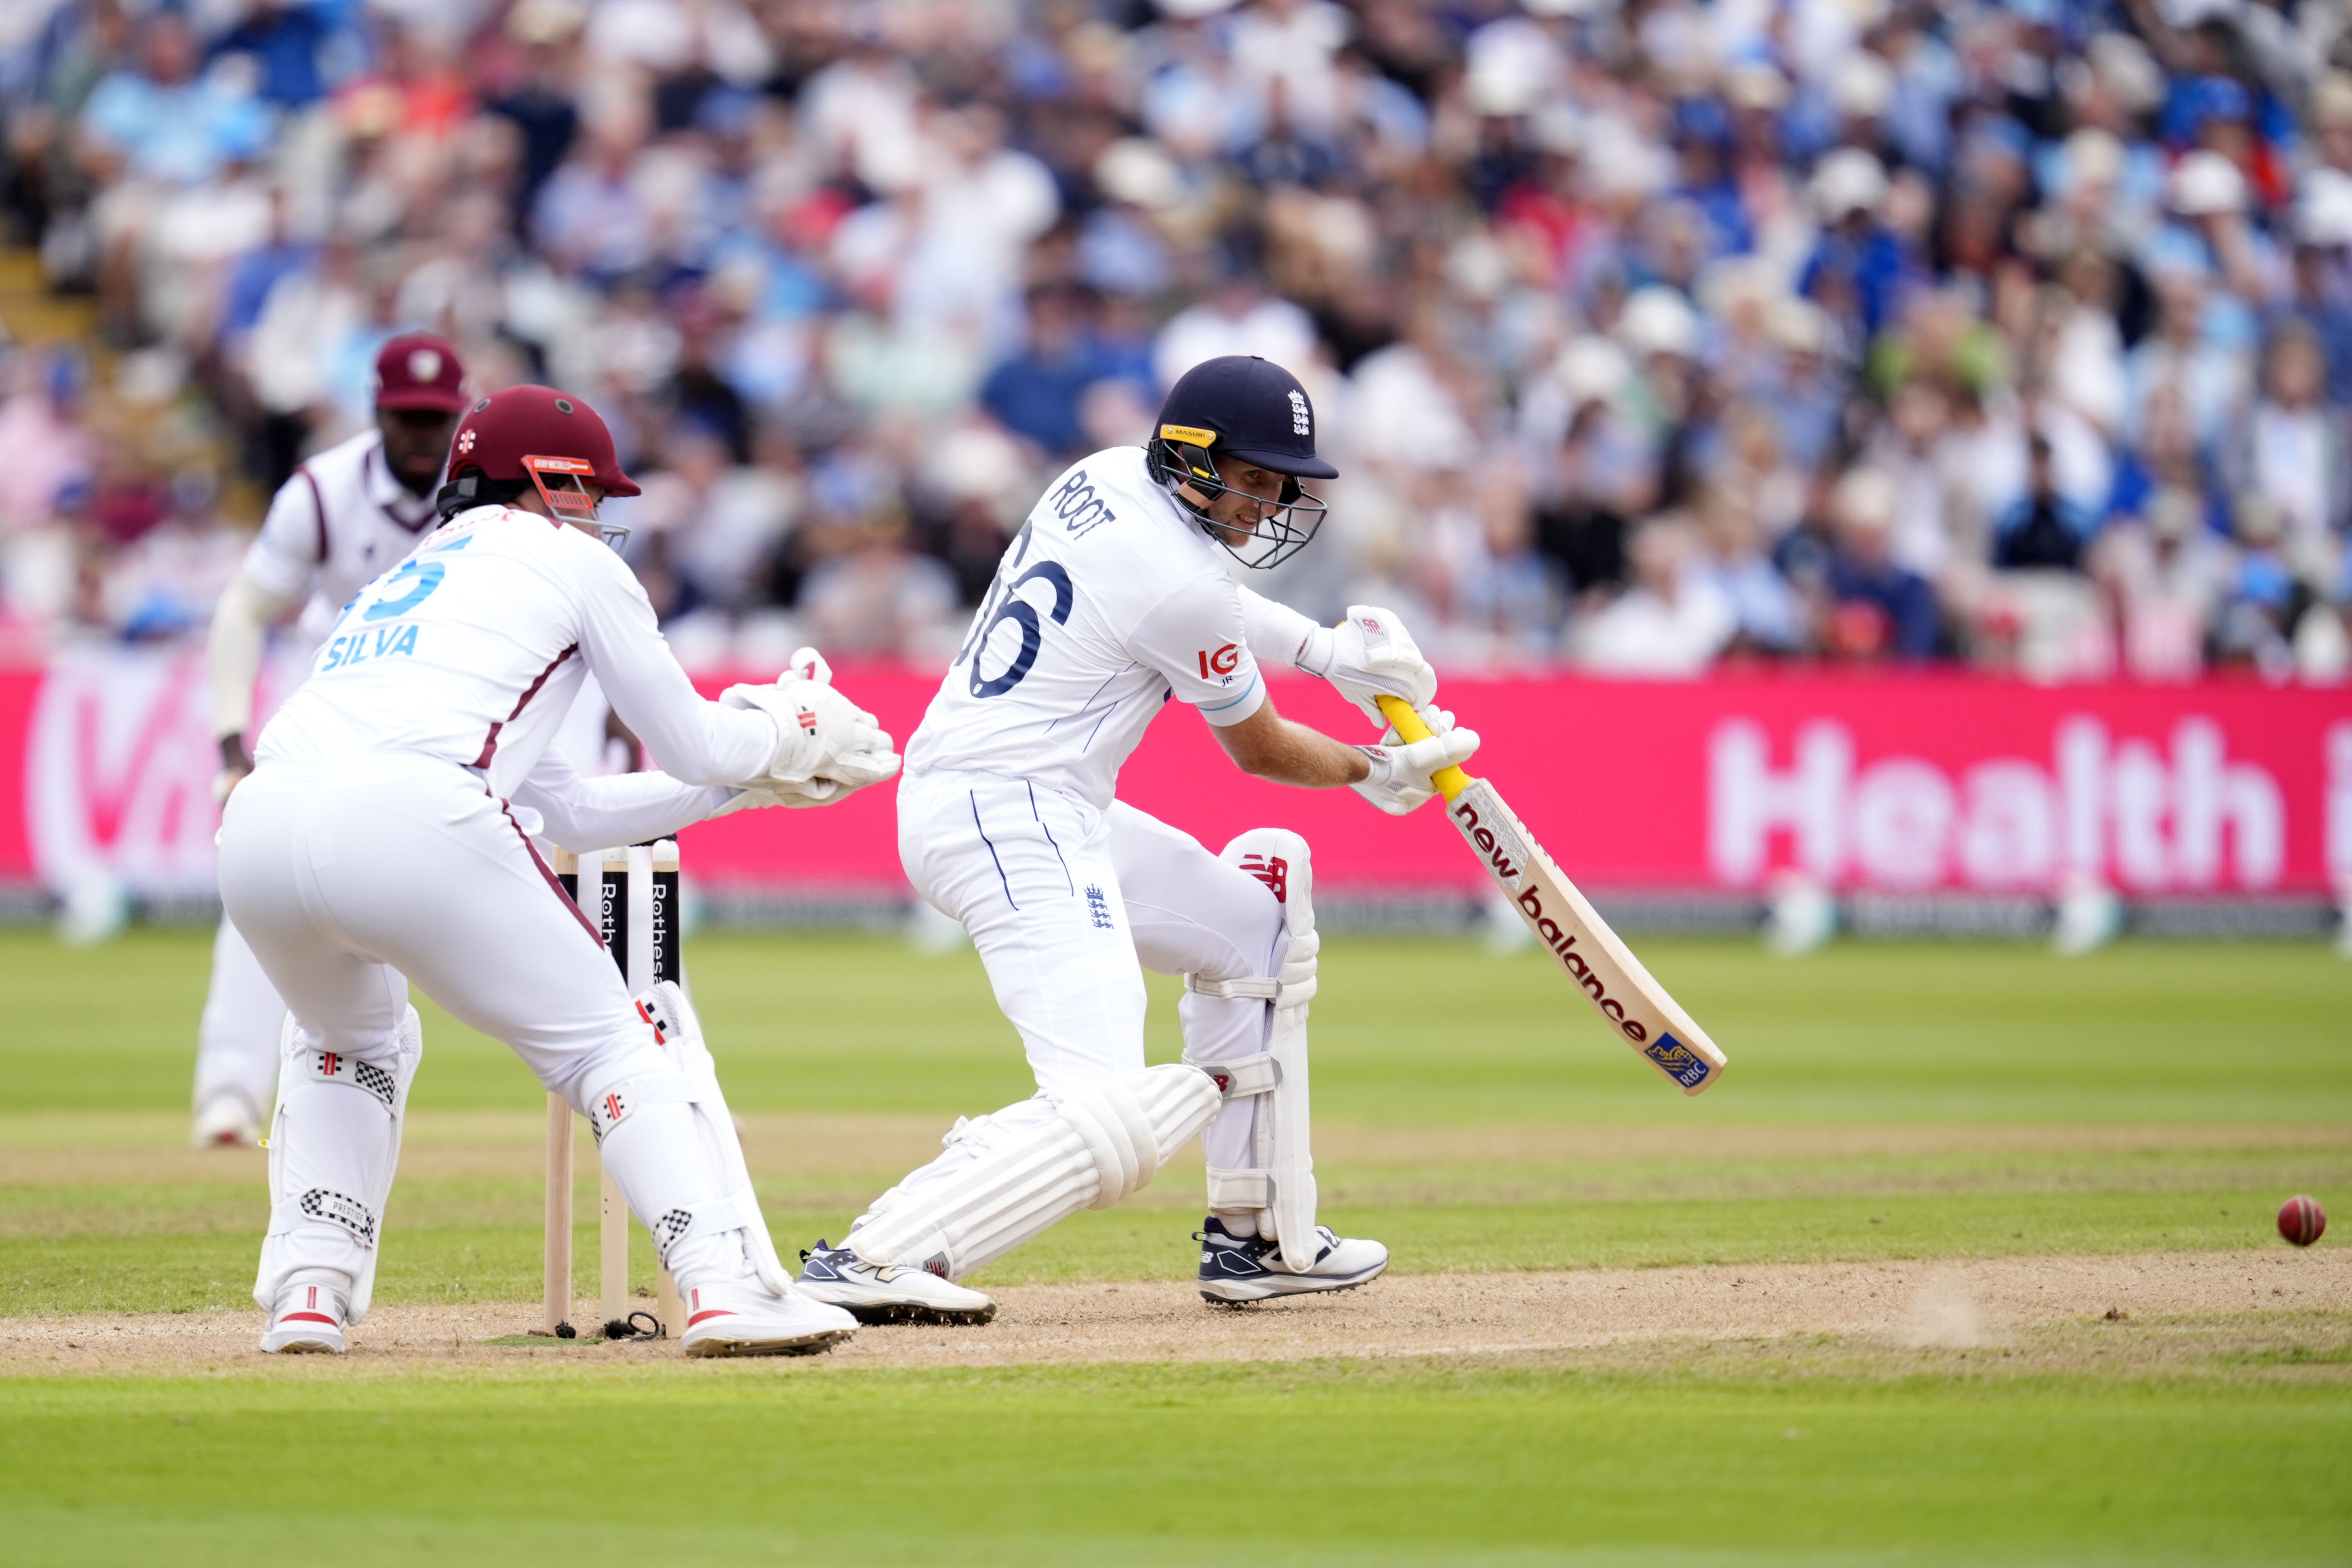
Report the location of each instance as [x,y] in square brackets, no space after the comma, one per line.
[1957,1304]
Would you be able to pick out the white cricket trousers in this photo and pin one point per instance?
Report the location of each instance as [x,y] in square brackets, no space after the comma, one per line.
[236,1038]
[1067,906]
[344,880]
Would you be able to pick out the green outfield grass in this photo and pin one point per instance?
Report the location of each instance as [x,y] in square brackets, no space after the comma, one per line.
[1407,1030]
[1343,1464]
[1912,1101]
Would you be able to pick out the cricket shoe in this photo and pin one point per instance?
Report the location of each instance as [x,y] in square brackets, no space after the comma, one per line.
[307,1321]
[226,1120]
[743,1317]
[1234,1270]
[888,1293]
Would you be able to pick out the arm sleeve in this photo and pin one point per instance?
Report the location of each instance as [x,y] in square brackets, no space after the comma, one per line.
[1277,633]
[1195,637]
[233,650]
[696,741]
[292,540]
[584,814]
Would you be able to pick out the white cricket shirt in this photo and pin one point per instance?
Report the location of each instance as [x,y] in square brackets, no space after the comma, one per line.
[472,649]
[1110,601]
[342,519]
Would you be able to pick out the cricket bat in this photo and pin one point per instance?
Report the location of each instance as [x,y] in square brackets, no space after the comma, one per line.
[1591,955]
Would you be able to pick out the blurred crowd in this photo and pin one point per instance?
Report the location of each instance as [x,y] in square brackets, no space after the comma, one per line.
[1646,335]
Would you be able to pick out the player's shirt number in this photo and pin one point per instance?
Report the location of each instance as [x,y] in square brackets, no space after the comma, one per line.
[1005,604]
[410,585]
[421,578]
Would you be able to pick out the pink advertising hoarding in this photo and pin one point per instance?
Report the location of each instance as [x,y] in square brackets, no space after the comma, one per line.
[1886,783]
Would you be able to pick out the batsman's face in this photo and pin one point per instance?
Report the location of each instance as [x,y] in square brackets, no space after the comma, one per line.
[415,444]
[1252,494]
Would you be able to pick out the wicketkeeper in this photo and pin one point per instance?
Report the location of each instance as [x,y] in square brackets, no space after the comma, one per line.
[387,831]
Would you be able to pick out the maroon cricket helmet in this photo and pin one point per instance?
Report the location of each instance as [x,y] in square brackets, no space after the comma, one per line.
[502,430]
[417,370]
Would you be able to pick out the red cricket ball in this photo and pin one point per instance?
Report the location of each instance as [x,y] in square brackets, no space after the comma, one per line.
[2302,1220]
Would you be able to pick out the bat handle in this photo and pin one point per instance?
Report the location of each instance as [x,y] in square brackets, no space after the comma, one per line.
[1450,781]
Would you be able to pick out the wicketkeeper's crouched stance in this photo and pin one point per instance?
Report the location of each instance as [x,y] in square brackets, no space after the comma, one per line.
[1114,599]
[383,833]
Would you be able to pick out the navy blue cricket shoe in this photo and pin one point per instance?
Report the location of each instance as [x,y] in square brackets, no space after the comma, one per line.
[1236,1270]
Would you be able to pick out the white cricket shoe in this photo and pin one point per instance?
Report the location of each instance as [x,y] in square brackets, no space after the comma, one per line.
[743,1317]
[226,1120]
[888,1293]
[1235,1271]
[307,1321]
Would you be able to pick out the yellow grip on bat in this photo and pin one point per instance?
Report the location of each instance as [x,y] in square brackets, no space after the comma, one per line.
[1449,781]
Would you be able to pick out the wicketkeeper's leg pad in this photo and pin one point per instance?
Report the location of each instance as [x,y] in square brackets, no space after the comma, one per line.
[1277,1188]
[334,1147]
[670,1141]
[1101,1145]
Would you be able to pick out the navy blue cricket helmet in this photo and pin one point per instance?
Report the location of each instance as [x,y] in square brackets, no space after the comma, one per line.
[1251,410]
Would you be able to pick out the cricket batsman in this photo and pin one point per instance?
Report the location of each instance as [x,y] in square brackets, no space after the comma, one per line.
[1113,599]
[355,511]
[385,832]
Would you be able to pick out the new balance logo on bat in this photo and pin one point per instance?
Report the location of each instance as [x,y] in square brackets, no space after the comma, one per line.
[1562,945]
[1499,852]
[1508,859]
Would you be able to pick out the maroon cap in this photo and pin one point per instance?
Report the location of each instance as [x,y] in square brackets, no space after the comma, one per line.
[502,429]
[417,370]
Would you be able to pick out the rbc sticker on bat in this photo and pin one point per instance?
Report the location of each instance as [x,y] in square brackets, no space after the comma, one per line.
[1682,1064]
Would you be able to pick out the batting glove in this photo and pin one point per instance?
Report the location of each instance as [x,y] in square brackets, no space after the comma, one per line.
[1369,655]
[1399,781]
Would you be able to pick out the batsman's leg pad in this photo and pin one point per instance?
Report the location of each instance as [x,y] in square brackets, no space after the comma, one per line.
[334,1147]
[716,1196]
[1279,1184]
[1101,1145]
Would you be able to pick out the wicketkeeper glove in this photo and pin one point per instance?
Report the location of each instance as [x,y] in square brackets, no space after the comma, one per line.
[1369,655]
[828,747]
[1400,777]
[816,792]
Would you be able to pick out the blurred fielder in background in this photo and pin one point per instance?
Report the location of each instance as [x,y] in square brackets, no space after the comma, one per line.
[355,511]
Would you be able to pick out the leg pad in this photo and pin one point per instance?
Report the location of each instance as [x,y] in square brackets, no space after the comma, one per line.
[1101,1145]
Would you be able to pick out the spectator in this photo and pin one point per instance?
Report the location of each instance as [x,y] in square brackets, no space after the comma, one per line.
[873,594]
[1877,609]
[2066,283]
[1767,619]
[1858,265]
[2044,529]
[2263,599]
[2167,576]
[1237,318]
[2206,371]
[286,42]
[150,132]
[44,446]
[47,460]
[1674,618]
[2293,450]
[1036,391]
